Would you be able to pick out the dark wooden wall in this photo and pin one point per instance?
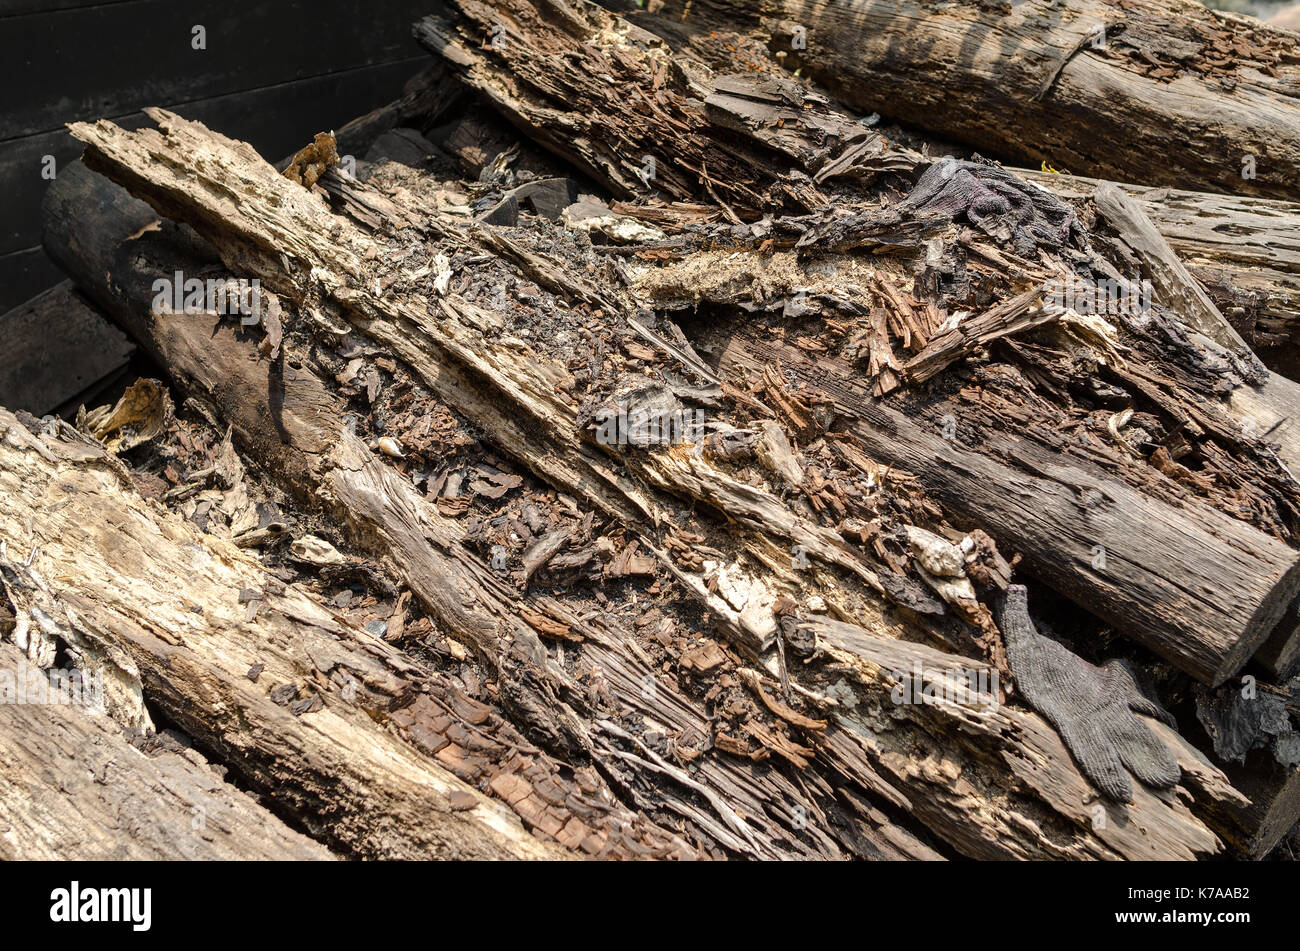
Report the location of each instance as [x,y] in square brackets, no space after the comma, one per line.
[274,73]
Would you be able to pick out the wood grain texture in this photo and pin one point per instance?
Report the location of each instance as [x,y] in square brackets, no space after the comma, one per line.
[1228,242]
[500,385]
[73,788]
[1197,587]
[150,583]
[1177,94]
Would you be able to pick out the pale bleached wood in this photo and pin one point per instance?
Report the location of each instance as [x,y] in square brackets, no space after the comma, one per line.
[150,585]
[74,788]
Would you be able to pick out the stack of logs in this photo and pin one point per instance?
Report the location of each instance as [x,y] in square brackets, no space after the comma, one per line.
[404,558]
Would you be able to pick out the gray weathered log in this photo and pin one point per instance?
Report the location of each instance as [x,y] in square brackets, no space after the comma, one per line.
[1244,250]
[1197,587]
[1118,106]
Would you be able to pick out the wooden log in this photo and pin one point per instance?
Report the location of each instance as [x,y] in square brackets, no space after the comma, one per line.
[1268,409]
[73,787]
[424,549]
[149,584]
[1094,75]
[1243,611]
[1244,251]
[1195,586]
[655,135]
[511,382]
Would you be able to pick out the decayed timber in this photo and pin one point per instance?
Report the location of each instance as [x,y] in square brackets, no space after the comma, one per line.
[117,569]
[1268,405]
[1172,93]
[1208,588]
[1241,611]
[289,431]
[1244,250]
[329,287]
[1274,793]
[73,787]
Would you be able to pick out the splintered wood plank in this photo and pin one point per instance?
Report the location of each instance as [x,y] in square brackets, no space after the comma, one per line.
[74,788]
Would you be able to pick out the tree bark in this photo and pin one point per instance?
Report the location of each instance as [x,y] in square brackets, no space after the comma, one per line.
[1171,94]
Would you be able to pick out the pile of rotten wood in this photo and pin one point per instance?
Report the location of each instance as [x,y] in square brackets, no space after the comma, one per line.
[632,451]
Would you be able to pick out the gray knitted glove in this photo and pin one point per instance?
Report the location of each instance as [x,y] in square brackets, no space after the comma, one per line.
[1091,707]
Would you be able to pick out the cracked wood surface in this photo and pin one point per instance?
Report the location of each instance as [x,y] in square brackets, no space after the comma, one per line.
[570,47]
[194,190]
[73,787]
[168,596]
[424,549]
[1175,94]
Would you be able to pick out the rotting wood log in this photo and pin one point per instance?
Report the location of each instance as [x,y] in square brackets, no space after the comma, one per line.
[73,786]
[1244,251]
[285,420]
[1162,92]
[651,132]
[1269,410]
[108,565]
[762,112]
[518,113]
[297,223]
[1207,588]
